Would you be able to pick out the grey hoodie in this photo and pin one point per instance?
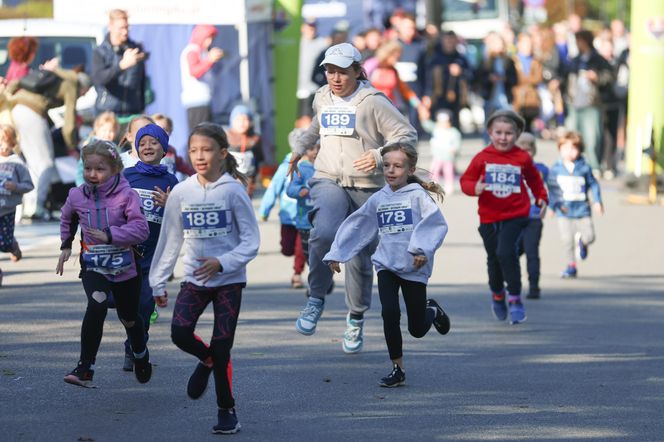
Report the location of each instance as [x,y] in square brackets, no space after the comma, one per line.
[408,223]
[215,220]
[12,168]
[377,123]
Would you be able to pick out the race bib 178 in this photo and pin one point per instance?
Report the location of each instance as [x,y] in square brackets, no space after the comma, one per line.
[395,217]
[205,220]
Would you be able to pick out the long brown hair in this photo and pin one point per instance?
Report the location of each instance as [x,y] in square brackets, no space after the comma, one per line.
[216,133]
[411,156]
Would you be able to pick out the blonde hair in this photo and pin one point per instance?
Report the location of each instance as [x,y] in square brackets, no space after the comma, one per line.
[527,142]
[387,49]
[105,118]
[165,120]
[574,138]
[9,133]
[105,149]
[128,131]
[411,156]
[118,14]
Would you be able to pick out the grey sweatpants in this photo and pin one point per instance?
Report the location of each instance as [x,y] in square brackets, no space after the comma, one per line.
[332,205]
[569,227]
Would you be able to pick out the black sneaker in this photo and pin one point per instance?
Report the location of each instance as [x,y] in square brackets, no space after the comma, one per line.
[143,368]
[394,379]
[227,422]
[533,294]
[198,381]
[441,321]
[128,364]
[81,376]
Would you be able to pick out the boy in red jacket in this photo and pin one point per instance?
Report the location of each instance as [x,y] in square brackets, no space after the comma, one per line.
[498,175]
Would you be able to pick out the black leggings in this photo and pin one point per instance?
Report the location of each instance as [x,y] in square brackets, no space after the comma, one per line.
[419,317]
[501,244]
[126,293]
[530,242]
[190,304]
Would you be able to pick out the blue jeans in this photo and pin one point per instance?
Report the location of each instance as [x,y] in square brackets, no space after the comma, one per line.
[332,205]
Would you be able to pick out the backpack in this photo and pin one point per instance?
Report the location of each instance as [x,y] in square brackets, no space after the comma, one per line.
[41,82]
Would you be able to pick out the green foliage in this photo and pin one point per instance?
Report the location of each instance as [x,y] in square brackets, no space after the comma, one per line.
[29,9]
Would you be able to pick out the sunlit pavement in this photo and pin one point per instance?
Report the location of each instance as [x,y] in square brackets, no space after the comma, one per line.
[587,365]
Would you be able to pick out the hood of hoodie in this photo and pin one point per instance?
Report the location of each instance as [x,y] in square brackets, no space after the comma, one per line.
[106,189]
[389,193]
[201,32]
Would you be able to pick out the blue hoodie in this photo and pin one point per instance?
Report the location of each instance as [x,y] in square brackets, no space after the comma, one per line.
[144,185]
[304,204]
[408,223]
[570,190]
[277,190]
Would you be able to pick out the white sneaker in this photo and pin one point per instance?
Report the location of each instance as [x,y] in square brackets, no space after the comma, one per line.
[353,337]
[309,316]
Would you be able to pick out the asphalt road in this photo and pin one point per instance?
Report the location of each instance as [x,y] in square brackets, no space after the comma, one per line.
[587,365]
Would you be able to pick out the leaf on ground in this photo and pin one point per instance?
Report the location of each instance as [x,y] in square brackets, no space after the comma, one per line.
[7,372]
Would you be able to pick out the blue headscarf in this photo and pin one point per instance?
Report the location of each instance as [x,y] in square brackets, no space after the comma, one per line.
[241,109]
[160,134]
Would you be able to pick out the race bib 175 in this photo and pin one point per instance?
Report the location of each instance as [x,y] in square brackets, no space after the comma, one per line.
[107,259]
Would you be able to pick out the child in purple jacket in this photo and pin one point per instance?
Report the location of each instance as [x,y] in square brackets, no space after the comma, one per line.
[112,222]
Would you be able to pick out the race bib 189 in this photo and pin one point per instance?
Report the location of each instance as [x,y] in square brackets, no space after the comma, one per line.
[573,187]
[153,213]
[502,179]
[395,217]
[337,120]
[107,259]
[205,220]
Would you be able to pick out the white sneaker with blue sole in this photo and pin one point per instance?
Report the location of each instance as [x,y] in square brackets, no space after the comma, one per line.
[353,338]
[309,316]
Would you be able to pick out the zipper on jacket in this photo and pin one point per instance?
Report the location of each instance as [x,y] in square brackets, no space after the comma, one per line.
[98,207]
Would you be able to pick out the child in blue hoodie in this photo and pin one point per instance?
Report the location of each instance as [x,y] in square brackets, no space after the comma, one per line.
[290,238]
[570,179]
[299,189]
[410,227]
[153,182]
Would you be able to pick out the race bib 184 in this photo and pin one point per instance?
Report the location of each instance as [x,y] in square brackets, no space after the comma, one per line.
[337,120]
[205,220]
[107,259]
[395,217]
[502,179]
[153,213]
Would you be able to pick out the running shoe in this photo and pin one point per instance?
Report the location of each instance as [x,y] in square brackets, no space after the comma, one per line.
[81,376]
[533,293]
[16,253]
[353,337]
[143,368]
[309,316]
[581,248]
[517,313]
[441,321]
[227,422]
[569,272]
[128,364]
[395,379]
[499,307]
[198,381]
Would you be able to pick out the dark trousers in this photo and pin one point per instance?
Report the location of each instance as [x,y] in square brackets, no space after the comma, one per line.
[501,242]
[145,307]
[190,304]
[126,293]
[304,240]
[7,232]
[530,242]
[291,245]
[197,115]
[415,297]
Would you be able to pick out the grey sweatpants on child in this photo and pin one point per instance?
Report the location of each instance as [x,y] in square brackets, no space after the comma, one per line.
[332,205]
[570,227]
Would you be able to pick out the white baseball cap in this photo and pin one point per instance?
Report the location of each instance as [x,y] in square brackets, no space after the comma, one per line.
[342,55]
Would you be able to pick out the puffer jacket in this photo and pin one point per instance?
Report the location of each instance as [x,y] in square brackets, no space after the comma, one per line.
[113,207]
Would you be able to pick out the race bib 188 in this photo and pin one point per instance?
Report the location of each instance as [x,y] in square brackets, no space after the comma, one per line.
[503,179]
[395,217]
[205,220]
[153,213]
[107,259]
[337,120]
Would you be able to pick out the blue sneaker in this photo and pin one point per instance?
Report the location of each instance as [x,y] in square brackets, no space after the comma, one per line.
[499,307]
[582,249]
[517,313]
[569,272]
[309,316]
[353,337]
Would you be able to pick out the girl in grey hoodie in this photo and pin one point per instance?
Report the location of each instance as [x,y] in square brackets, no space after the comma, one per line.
[409,227]
[211,215]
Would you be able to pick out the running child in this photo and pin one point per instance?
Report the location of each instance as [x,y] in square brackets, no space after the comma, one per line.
[210,214]
[153,182]
[570,180]
[498,175]
[410,228]
[532,234]
[175,163]
[445,145]
[14,182]
[129,156]
[105,128]
[112,223]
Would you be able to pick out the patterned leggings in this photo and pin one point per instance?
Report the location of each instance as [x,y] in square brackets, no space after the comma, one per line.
[189,306]
[7,232]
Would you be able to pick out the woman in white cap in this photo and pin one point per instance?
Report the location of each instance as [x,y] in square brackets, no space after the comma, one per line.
[353,121]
